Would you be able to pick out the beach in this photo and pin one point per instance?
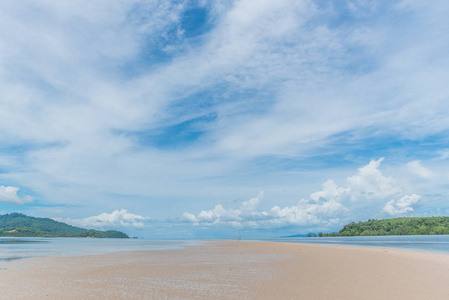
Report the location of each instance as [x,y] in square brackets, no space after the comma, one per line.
[232,270]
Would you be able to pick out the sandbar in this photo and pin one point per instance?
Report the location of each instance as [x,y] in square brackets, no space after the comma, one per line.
[232,270]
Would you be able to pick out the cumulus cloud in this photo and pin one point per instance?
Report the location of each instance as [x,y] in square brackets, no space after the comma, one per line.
[330,191]
[370,183]
[8,194]
[303,213]
[401,206]
[306,213]
[253,202]
[189,217]
[367,189]
[219,214]
[418,169]
[118,218]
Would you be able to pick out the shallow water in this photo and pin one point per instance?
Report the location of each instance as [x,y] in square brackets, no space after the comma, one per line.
[424,243]
[18,248]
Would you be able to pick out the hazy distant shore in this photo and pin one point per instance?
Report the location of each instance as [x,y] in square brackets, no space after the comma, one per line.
[232,270]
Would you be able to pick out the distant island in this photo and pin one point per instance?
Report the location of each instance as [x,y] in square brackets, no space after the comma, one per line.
[396,226]
[20,225]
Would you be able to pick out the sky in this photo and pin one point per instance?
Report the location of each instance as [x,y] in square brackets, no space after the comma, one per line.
[205,119]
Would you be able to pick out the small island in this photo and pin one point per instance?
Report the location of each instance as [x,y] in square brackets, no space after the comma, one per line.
[395,226]
[20,225]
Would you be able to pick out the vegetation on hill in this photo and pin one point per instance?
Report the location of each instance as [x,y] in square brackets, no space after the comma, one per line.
[396,226]
[20,225]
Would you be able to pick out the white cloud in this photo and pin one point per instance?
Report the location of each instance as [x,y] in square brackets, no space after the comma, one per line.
[401,206]
[8,194]
[302,214]
[418,169]
[367,190]
[219,214]
[188,217]
[444,154]
[369,183]
[118,218]
[330,191]
[252,203]
[79,79]
[306,213]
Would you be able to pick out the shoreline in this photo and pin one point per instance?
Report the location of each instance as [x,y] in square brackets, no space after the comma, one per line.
[233,270]
[360,247]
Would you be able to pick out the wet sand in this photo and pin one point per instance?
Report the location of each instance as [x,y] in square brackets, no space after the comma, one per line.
[232,270]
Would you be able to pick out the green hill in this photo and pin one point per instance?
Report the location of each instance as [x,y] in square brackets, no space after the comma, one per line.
[20,225]
[396,226]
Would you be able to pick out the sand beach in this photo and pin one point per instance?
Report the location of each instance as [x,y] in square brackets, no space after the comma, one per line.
[232,270]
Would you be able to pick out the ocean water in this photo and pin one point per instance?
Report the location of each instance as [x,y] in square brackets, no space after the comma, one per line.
[424,243]
[19,248]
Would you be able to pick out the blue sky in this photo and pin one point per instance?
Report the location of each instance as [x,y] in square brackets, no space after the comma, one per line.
[203,119]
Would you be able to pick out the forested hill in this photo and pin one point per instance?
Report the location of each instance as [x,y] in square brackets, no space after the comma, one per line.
[396,226]
[20,225]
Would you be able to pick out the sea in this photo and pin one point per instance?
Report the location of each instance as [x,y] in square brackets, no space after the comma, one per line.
[12,248]
[423,243]
[19,248]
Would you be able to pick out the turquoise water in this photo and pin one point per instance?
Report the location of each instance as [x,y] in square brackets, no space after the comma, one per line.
[424,243]
[18,248]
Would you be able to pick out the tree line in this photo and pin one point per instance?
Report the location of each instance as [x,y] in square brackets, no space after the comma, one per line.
[395,226]
[20,225]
